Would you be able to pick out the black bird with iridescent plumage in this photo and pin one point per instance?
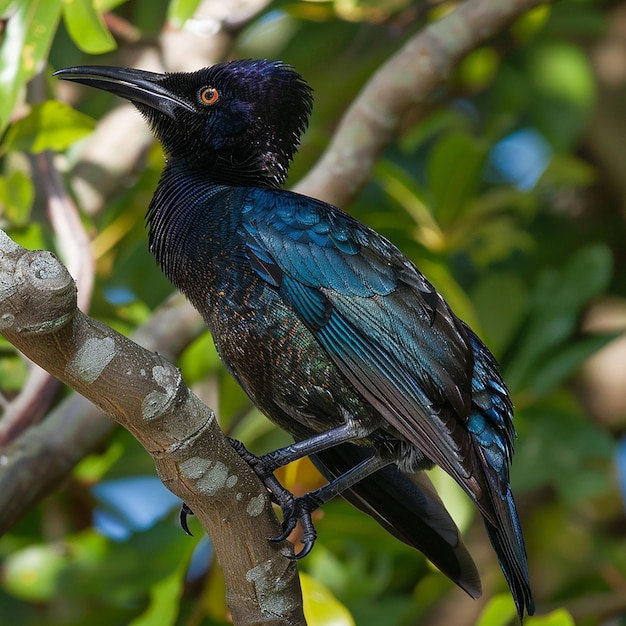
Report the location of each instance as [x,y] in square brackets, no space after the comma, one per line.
[332,332]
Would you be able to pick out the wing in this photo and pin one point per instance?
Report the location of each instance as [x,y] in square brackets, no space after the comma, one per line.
[381,322]
[393,336]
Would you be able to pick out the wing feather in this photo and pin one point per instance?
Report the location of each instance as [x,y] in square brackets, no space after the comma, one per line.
[379,319]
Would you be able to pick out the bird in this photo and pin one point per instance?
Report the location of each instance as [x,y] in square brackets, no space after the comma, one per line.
[333,333]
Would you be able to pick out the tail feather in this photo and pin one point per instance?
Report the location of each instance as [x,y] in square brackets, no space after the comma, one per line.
[491,428]
[408,507]
[508,542]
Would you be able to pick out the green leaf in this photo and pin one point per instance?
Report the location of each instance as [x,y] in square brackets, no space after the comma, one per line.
[200,359]
[16,197]
[24,48]
[32,573]
[479,68]
[179,11]
[556,305]
[454,172]
[165,597]
[531,23]
[564,450]
[86,27]
[13,372]
[321,608]
[501,302]
[50,125]
[568,170]
[556,369]
[460,507]
[402,187]
[563,85]
[559,617]
[499,611]
[563,71]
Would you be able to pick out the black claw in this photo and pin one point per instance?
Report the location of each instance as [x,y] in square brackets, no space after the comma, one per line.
[299,509]
[289,523]
[308,546]
[185,511]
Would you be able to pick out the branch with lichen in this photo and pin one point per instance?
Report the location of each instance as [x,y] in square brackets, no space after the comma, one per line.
[145,393]
[38,461]
[404,82]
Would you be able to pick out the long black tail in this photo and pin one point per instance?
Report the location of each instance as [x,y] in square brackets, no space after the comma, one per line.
[508,542]
[409,508]
[492,434]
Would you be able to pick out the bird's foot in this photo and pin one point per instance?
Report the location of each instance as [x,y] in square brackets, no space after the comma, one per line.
[299,509]
[293,508]
[264,468]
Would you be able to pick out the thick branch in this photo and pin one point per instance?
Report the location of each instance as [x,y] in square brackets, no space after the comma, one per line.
[39,460]
[146,395]
[406,80]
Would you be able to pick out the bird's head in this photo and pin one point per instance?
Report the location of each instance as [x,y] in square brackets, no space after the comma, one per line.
[239,121]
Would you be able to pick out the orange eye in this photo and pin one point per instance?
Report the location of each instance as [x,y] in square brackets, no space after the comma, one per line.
[209,95]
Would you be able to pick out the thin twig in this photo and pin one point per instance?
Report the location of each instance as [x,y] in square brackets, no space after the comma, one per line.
[73,242]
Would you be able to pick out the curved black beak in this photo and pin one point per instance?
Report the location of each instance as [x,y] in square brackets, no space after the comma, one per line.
[138,86]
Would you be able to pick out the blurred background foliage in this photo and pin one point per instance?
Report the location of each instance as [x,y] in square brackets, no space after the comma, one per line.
[507,188]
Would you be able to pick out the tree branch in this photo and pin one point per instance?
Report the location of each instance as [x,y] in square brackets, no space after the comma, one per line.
[145,394]
[39,460]
[407,79]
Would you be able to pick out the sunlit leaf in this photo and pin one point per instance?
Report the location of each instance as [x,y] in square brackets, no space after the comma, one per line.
[564,71]
[321,608]
[16,197]
[24,47]
[564,87]
[499,611]
[478,68]
[200,359]
[559,617]
[86,26]
[49,125]
[93,467]
[457,503]
[368,10]
[32,573]
[300,477]
[179,11]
